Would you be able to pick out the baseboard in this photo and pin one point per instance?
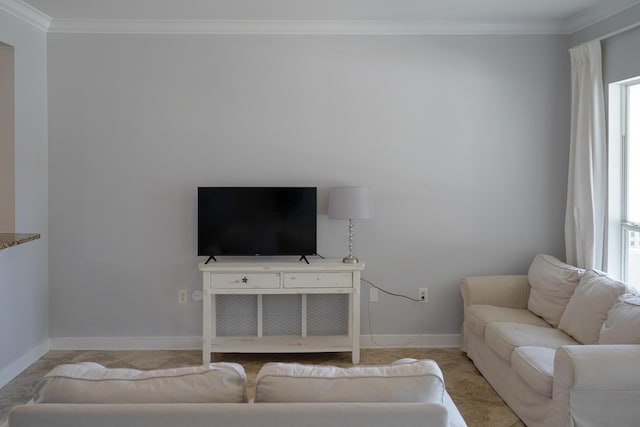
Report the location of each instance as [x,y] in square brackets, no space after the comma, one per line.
[126,343]
[12,371]
[410,341]
[194,343]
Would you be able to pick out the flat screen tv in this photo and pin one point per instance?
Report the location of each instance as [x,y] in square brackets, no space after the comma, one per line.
[248,221]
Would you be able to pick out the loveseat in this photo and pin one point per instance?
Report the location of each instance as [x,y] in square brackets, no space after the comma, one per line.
[408,393]
[560,345]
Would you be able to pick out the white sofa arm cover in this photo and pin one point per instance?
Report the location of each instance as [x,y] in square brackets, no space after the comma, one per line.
[599,384]
[378,414]
[599,367]
[511,291]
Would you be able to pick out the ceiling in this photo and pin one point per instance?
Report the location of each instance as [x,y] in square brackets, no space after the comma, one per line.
[562,16]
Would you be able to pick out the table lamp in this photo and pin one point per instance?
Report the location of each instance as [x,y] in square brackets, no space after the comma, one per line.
[350,203]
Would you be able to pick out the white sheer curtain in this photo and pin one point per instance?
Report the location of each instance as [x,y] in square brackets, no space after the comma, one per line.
[586,195]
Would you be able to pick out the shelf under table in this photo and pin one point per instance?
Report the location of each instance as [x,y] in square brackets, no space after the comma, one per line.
[281,344]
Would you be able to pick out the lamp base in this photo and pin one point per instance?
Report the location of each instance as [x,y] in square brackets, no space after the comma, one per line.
[350,260]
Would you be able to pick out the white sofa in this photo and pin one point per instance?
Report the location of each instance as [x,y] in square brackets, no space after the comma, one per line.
[409,393]
[560,345]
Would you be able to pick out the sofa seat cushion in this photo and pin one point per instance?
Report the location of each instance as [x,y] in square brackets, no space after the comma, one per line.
[504,337]
[534,365]
[552,285]
[417,381]
[588,308]
[89,382]
[478,316]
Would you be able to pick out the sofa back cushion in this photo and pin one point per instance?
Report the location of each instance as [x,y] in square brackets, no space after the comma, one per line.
[552,285]
[587,310]
[89,382]
[407,381]
[623,322]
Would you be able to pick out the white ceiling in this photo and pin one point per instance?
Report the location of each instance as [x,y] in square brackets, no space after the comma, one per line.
[564,15]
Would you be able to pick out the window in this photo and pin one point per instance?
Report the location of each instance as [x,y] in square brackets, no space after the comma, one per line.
[631,183]
[624,181]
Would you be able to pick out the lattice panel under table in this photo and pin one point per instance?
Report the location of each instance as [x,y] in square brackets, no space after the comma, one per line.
[237,315]
[327,314]
[282,315]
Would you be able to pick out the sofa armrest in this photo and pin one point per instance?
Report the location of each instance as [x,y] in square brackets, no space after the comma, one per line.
[597,384]
[502,291]
[369,414]
[598,367]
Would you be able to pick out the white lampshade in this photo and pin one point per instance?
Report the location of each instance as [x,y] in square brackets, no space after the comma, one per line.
[350,203]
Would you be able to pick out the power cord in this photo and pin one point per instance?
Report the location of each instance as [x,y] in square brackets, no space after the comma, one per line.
[369,313]
[362,279]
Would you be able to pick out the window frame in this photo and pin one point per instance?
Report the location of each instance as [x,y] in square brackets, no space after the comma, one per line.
[619,225]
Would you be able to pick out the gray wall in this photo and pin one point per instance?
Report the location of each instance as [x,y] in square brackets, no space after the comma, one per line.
[463,139]
[24,299]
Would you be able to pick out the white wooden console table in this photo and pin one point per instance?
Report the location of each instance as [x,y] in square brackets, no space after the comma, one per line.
[264,278]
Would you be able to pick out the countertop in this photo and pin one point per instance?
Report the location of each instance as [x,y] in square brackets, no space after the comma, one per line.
[8,240]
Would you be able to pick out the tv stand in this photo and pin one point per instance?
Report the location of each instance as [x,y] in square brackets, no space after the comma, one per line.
[294,283]
[304,257]
[211,258]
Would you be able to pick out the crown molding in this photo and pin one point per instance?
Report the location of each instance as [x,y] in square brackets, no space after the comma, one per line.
[139,26]
[33,16]
[596,14]
[26,13]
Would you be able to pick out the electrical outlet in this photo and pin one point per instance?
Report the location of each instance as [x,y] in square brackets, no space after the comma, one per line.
[196,295]
[182,296]
[423,294]
[373,295]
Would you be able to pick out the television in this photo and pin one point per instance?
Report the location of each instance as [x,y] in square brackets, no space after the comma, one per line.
[249,221]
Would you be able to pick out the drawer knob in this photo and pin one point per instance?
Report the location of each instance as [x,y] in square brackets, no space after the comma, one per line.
[245,280]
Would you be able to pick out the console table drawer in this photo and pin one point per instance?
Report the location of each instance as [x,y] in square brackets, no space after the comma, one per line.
[245,281]
[318,280]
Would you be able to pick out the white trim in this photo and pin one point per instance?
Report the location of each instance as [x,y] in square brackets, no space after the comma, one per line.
[32,356]
[613,258]
[126,343]
[575,23]
[26,13]
[410,341]
[195,343]
[277,27]
[616,210]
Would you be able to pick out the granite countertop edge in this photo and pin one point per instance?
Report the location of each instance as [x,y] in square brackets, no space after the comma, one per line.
[8,240]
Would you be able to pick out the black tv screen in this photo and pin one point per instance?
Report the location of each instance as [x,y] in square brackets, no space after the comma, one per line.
[243,221]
